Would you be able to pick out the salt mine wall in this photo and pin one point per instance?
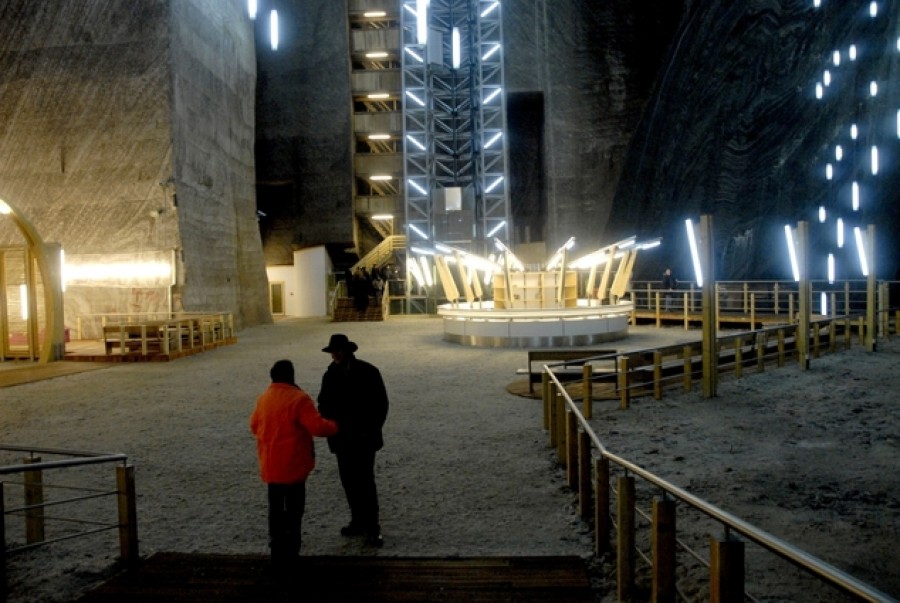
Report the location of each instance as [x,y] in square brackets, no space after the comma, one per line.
[734,130]
[213,70]
[99,102]
[304,161]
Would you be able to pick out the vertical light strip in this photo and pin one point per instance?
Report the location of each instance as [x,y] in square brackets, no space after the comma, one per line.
[426,270]
[273,29]
[421,21]
[456,48]
[23,299]
[874,159]
[830,268]
[861,250]
[840,233]
[251,8]
[792,252]
[855,195]
[823,303]
[695,252]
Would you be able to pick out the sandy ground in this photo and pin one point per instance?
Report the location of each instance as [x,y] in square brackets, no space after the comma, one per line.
[808,456]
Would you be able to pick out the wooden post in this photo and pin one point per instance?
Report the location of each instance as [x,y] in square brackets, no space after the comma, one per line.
[552,416]
[658,318]
[870,289]
[587,391]
[560,428]
[685,300]
[571,449]
[128,534]
[584,475]
[625,554]
[688,367]
[34,499]
[780,348]
[848,333]
[657,375]
[776,302]
[546,395]
[791,317]
[804,295]
[624,382]
[862,330]
[761,342]
[709,309]
[816,340]
[664,551]
[752,311]
[726,570]
[832,336]
[602,523]
[738,358]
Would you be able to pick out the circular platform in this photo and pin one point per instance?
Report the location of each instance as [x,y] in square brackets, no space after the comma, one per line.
[481,325]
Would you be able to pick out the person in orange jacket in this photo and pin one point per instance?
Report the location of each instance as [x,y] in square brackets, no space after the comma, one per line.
[284,422]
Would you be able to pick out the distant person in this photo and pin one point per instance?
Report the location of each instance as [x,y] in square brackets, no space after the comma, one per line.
[669,284]
[360,290]
[353,394]
[284,422]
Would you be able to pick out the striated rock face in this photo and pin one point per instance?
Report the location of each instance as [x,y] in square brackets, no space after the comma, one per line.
[583,70]
[127,127]
[304,135]
[734,130]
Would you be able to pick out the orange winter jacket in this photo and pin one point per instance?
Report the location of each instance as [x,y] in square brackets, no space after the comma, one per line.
[284,422]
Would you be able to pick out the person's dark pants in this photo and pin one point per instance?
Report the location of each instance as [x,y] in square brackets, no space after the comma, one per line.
[357,471]
[286,505]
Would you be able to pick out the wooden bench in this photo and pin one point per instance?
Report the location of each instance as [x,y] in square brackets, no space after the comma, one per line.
[565,355]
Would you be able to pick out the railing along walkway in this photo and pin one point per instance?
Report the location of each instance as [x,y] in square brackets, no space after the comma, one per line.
[39,527]
[588,463]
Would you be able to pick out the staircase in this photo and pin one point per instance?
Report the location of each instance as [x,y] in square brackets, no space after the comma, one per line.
[345,311]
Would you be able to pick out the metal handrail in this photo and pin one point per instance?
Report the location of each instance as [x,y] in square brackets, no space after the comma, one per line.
[126,523]
[827,572]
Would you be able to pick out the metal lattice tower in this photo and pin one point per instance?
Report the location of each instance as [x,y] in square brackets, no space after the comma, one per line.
[455,142]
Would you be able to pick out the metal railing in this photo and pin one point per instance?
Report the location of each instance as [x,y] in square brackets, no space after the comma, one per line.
[40,495]
[587,464]
[763,299]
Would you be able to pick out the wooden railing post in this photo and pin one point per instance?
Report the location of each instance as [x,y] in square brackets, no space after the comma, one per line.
[664,551]
[552,417]
[688,367]
[625,554]
[816,340]
[34,500]
[560,428]
[584,475]
[587,391]
[726,570]
[752,311]
[571,459]
[602,522]
[128,534]
[780,348]
[738,358]
[848,333]
[761,341]
[546,392]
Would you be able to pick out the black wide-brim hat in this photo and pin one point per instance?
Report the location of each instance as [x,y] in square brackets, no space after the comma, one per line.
[340,343]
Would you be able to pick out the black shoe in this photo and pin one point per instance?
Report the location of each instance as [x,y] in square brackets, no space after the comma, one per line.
[375,539]
[352,530]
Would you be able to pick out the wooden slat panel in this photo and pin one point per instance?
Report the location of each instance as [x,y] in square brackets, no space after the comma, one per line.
[180,577]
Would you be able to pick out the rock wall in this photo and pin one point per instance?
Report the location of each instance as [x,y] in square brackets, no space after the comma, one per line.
[304,134]
[126,127]
[734,130]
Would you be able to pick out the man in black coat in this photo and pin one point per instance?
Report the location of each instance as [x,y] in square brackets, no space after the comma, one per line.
[353,394]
